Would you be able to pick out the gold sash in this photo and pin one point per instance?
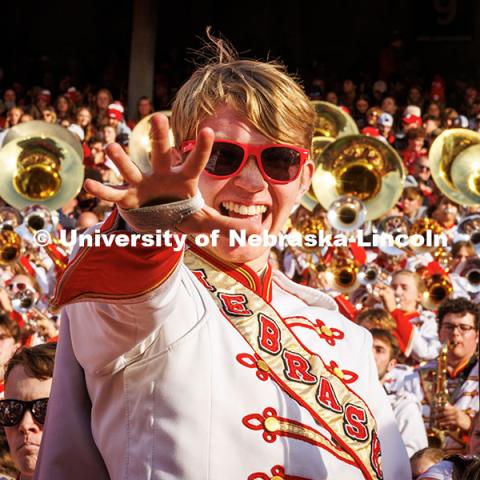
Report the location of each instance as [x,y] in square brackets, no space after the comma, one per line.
[300,373]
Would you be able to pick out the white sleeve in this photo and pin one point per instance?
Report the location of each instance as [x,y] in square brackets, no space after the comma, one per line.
[410,422]
[425,343]
[106,335]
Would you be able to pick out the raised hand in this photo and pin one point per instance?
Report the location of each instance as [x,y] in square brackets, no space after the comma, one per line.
[170,179]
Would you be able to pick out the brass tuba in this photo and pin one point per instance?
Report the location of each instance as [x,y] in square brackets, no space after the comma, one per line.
[41,164]
[455,165]
[331,122]
[363,167]
[140,142]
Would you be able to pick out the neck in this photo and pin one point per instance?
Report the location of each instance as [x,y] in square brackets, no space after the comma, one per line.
[259,264]
[454,363]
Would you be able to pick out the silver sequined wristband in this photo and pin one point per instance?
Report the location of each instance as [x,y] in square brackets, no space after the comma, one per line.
[161,217]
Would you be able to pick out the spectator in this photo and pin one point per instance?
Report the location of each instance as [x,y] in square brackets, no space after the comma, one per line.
[28,380]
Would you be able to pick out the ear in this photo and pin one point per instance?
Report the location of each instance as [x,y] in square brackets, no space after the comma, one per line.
[305,179]
[391,364]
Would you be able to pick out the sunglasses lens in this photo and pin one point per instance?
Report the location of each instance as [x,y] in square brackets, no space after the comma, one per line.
[281,163]
[39,410]
[11,413]
[225,159]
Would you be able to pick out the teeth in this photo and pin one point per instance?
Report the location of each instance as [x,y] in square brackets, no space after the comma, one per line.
[243,209]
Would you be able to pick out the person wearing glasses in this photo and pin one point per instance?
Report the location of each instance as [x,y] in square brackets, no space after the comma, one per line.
[28,380]
[458,326]
[205,363]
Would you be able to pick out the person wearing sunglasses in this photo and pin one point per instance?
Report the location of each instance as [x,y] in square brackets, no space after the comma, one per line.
[193,359]
[28,380]
[458,326]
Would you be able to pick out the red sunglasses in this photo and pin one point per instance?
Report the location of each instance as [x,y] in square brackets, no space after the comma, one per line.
[278,163]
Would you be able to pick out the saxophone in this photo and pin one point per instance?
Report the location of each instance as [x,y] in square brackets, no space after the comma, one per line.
[439,398]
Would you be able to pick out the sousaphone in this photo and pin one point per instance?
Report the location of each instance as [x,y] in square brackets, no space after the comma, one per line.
[455,165]
[331,122]
[363,167]
[41,164]
[140,143]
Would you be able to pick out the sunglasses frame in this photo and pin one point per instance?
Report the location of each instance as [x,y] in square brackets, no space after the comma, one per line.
[255,150]
[26,405]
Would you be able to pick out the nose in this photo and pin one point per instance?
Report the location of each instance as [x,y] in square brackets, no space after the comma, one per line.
[28,424]
[250,178]
[397,290]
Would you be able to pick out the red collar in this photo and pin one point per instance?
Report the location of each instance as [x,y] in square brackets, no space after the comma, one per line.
[240,272]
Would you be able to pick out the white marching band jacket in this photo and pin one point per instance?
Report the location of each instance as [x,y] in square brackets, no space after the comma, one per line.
[196,369]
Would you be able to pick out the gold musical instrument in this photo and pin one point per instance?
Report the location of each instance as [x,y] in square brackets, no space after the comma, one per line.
[342,273]
[391,227]
[455,165]
[332,122]
[11,247]
[421,227]
[346,214]
[363,167]
[41,163]
[140,142]
[437,289]
[438,399]
[309,201]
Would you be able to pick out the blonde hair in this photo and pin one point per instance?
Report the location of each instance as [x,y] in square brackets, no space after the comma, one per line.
[416,277]
[263,92]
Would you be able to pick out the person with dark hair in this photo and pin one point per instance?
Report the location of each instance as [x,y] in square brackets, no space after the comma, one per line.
[405,405]
[10,340]
[203,362]
[458,328]
[28,380]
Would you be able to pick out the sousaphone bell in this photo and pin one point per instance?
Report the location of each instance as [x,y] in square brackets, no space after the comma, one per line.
[455,165]
[140,142]
[41,164]
[363,167]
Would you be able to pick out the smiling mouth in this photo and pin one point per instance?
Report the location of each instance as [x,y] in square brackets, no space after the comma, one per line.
[238,210]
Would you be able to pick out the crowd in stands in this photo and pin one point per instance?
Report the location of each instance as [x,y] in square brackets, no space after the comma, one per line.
[408,330]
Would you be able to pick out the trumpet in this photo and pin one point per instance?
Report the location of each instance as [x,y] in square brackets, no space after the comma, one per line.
[37,218]
[470,226]
[470,270]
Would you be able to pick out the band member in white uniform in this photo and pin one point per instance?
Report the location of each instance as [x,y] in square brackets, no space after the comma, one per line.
[202,363]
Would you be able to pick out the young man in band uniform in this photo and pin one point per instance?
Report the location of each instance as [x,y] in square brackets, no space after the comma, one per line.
[205,363]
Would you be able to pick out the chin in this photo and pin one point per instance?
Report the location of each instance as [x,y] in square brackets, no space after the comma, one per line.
[239,254]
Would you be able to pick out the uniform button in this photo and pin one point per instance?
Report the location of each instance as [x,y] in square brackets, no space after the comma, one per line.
[271,424]
[261,365]
[326,331]
[338,372]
